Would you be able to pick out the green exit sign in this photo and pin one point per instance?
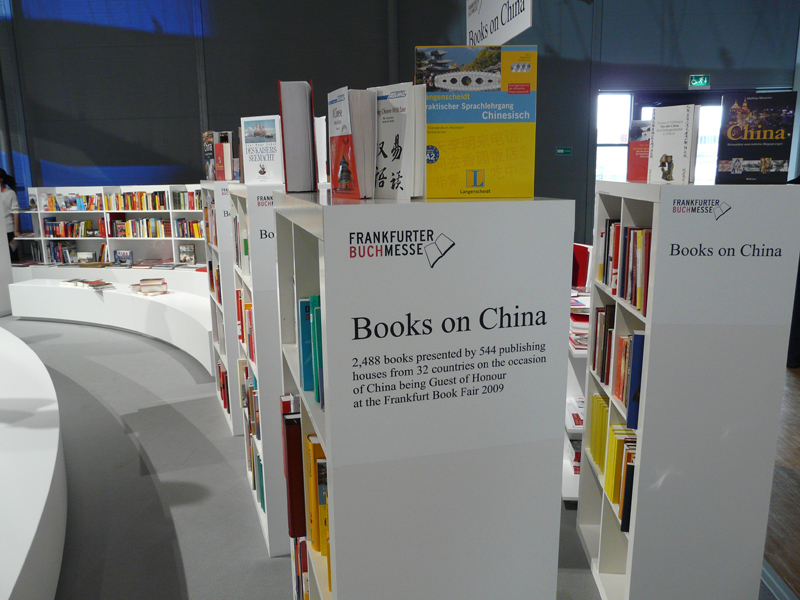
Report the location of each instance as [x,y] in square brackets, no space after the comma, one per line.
[699,82]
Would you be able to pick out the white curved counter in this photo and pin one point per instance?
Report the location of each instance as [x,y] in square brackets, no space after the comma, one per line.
[179,318]
[33,482]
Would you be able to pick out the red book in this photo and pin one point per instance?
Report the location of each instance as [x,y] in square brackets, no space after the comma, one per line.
[638,150]
[239,323]
[295,492]
[222,161]
[580,264]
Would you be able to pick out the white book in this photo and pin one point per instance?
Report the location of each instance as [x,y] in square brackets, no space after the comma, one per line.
[321,146]
[261,154]
[673,144]
[397,150]
[297,129]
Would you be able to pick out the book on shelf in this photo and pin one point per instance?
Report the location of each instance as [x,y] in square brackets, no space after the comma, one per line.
[639,150]
[322,505]
[481,120]
[400,157]
[186,254]
[352,140]
[316,351]
[673,144]
[123,258]
[314,453]
[626,488]
[576,409]
[295,482]
[575,455]
[755,139]
[304,344]
[261,152]
[599,430]
[618,437]
[634,378]
[297,132]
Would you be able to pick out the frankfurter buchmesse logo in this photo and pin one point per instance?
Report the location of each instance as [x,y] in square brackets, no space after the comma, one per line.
[701,206]
[400,243]
[476,178]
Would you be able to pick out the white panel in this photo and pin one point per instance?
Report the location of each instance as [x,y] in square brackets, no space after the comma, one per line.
[512,256]
[478,523]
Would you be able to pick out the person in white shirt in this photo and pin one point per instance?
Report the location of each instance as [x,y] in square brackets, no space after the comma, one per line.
[8,207]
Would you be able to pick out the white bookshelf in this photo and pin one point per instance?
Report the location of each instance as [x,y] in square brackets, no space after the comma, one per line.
[142,247]
[576,376]
[716,332]
[432,487]
[222,296]
[255,275]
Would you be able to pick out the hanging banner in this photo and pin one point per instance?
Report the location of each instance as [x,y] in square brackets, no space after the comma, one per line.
[491,22]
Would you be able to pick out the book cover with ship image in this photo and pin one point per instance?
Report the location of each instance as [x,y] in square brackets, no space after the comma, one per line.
[481,120]
[755,138]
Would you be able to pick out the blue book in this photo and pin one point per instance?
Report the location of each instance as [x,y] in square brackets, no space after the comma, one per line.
[637,357]
[304,344]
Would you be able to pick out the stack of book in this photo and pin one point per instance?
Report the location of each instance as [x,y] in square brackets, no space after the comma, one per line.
[599,430]
[579,323]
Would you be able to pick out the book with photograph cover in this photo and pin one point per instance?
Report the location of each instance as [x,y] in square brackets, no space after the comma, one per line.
[123,258]
[261,153]
[481,120]
[186,254]
[755,138]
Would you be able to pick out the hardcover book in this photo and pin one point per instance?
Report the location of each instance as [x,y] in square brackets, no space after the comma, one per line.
[304,344]
[673,145]
[261,153]
[481,120]
[755,139]
[297,132]
[638,150]
[352,138]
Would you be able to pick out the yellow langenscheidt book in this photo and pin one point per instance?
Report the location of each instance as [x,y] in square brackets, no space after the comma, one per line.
[481,115]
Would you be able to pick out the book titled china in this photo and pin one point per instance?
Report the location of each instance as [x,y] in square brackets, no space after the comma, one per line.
[261,155]
[755,138]
[481,120]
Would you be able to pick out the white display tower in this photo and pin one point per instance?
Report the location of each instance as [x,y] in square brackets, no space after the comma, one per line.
[222,295]
[721,289]
[443,330]
[256,279]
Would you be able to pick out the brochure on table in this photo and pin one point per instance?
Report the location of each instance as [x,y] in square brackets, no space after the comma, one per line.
[443,371]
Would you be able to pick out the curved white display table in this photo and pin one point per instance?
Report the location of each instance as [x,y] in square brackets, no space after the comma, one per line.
[33,501]
[177,318]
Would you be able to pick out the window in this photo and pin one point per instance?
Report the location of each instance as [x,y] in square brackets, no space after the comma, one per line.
[613,121]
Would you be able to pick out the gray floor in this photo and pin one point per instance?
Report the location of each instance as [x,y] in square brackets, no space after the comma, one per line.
[159,506]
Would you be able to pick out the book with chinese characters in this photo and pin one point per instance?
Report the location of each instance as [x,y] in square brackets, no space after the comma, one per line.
[673,144]
[261,153]
[755,139]
[400,123]
[481,121]
[352,140]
